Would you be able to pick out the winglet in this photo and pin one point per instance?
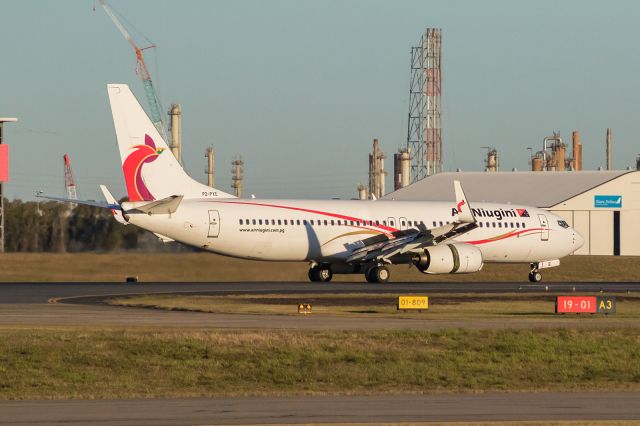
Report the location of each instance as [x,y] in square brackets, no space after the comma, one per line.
[465,214]
[117,214]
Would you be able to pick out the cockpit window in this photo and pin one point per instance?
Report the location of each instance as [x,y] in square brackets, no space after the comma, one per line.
[563,224]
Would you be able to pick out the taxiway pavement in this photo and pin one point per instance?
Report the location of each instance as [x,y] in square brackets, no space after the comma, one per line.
[392,409]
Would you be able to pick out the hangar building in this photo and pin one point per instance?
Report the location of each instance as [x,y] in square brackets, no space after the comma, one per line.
[603,206]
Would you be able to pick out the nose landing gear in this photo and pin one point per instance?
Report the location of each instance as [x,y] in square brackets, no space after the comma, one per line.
[535,276]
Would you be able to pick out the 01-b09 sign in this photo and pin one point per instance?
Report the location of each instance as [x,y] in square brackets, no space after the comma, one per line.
[585,304]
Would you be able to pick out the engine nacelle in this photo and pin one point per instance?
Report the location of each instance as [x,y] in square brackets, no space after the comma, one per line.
[458,258]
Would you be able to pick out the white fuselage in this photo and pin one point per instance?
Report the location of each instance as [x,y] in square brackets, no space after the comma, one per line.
[326,231]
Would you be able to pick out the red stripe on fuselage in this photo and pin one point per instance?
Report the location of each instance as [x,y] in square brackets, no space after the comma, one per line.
[388,229]
[513,234]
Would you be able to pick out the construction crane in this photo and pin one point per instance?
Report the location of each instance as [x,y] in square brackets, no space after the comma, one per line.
[69,183]
[150,93]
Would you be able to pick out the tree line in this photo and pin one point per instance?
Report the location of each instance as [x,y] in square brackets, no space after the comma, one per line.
[58,227]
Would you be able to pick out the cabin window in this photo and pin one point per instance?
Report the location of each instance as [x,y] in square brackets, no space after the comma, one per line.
[434,223]
[285,222]
[240,221]
[440,223]
[499,224]
[260,222]
[409,223]
[392,223]
[311,221]
[403,223]
[493,224]
[384,222]
[279,222]
[319,222]
[517,224]
[298,221]
[523,225]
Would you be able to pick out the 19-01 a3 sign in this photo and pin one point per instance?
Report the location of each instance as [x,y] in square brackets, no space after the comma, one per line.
[585,305]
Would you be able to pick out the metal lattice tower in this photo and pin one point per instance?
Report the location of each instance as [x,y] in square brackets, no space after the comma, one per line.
[424,135]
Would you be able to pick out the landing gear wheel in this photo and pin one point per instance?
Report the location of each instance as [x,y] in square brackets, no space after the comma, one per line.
[378,274]
[535,276]
[320,274]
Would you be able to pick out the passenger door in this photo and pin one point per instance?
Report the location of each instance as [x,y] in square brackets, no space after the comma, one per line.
[544,224]
[214,224]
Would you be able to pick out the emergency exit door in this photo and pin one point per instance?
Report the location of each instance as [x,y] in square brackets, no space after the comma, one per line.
[544,224]
[214,224]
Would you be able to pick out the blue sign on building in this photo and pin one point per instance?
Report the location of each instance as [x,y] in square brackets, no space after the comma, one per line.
[608,201]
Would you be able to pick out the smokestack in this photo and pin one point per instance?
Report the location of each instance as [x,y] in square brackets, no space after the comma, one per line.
[176,116]
[376,171]
[362,192]
[576,150]
[401,168]
[609,158]
[210,155]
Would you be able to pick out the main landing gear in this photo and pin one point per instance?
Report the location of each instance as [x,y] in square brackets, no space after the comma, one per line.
[377,274]
[535,276]
[320,273]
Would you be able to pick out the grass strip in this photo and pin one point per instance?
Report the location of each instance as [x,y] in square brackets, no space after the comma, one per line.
[80,363]
[537,307]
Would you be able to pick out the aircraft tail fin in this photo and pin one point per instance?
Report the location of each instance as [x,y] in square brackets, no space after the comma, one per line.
[151,172]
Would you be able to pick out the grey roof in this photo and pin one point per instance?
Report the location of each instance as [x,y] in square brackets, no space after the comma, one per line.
[539,189]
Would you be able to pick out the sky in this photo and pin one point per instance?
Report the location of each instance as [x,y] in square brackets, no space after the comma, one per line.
[299,88]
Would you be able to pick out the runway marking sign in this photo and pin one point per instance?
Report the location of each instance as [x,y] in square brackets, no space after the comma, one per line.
[413,303]
[585,305]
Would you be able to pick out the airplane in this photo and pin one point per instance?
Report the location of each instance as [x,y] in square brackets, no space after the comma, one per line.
[333,236]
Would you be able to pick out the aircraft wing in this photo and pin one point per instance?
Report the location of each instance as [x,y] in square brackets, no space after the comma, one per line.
[381,248]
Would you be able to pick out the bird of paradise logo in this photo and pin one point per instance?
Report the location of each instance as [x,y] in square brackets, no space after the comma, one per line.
[132,167]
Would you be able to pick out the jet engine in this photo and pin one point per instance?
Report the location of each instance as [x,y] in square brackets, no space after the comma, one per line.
[457,258]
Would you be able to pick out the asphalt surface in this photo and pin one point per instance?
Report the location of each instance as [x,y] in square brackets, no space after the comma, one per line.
[43,292]
[393,409]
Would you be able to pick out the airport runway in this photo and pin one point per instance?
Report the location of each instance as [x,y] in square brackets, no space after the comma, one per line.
[392,409]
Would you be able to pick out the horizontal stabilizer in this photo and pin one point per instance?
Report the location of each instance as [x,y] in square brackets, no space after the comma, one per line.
[167,205]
